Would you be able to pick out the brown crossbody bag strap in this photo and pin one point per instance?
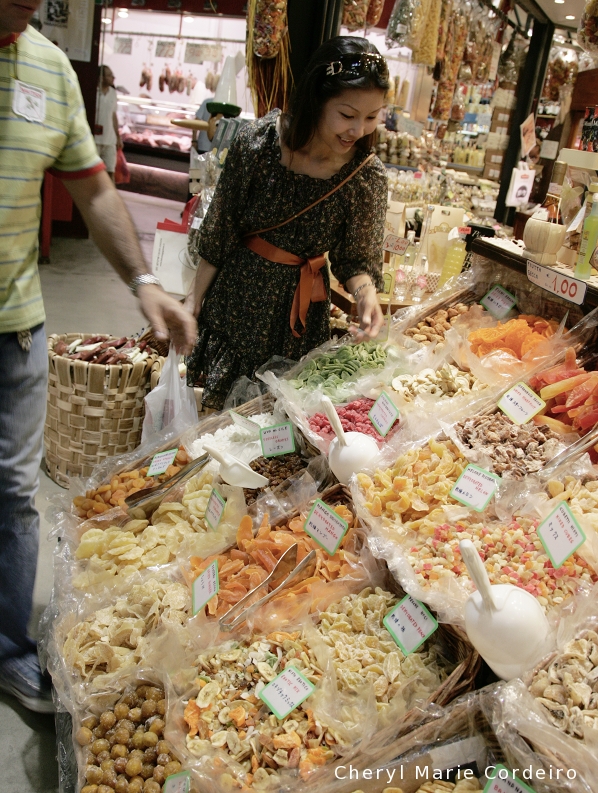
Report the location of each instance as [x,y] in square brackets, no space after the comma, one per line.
[315,203]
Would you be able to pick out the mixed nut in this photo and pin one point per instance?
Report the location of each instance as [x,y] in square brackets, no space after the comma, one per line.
[444,383]
[433,328]
[513,451]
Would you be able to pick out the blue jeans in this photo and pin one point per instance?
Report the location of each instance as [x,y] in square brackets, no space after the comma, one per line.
[23,387]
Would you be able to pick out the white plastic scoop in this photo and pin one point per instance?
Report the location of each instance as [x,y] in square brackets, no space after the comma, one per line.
[234,472]
[350,451]
[505,624]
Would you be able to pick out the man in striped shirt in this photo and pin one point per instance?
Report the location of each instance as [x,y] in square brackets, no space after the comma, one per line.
[43,127]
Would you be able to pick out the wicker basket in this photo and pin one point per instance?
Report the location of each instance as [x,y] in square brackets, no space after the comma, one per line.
[94,411]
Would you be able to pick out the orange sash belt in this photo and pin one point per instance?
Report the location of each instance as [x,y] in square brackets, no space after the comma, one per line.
[311,287]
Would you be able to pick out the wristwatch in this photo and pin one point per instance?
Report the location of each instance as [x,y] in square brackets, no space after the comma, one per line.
[142,280]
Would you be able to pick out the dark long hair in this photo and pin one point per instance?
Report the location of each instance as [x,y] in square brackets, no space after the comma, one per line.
[315,88]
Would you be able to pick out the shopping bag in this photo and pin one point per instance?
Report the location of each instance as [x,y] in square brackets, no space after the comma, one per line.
[122,175]
[171,401]
[520,187]
[171,261]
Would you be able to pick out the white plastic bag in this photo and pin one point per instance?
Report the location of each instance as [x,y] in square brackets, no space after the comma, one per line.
[171,400]
[520,187]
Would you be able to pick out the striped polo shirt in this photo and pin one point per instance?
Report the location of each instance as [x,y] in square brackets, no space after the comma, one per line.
[60,141]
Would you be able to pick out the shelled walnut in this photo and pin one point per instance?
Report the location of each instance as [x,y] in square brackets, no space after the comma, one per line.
[434,327]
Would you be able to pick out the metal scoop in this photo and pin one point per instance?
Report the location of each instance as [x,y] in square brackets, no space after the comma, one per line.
[147,500]
[234,472]
[287,569]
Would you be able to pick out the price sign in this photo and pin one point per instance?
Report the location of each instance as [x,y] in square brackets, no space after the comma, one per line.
[205,586]
[564,286]
[383,414]
[498,301]
[504,781]
[396,244]
[161,461]
[410,623]
[520,403]
[277,440]
[286,692]
[245,423]
[215,509]
[475,487]
[561,535]
[325,527]
[177,783]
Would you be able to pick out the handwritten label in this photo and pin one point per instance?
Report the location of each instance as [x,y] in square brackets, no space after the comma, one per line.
[561,535]
[215,509]
[504,781]
[383,414]
[161,461]
[410,623]
[245,423]
[396,244]
[475,487]
[520,403]
[570,289]
[205,586]
[414,128]
[178,783]
[286,692]
[325,527]
[277,440]
[498,301]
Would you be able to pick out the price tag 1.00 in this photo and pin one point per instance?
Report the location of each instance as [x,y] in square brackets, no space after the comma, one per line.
[504,781]
[394,244]
[410,623]
[498,301]
[561,535]
[205,586]
[520,403]
[161,462]
[325,527]
[177,783]
[277,440]
[245,423]
[475,487]
[570,289]
[286,692]
[383,414]
[215,509]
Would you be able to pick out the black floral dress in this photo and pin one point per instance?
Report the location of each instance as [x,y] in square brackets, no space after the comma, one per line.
[244,319]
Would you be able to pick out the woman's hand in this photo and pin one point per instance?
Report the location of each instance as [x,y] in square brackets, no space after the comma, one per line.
[370,314]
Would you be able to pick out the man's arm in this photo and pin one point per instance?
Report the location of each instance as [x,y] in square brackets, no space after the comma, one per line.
[112,230]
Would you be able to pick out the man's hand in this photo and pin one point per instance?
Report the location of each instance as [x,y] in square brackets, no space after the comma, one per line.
[168,317]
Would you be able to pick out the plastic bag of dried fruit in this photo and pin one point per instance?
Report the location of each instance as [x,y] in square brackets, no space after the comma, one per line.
[232,736]
[416,526]
[587,33]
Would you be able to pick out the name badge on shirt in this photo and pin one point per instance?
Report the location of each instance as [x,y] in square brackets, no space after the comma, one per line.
[29,102]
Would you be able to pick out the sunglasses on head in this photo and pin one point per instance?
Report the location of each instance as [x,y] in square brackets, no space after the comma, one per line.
[358,65]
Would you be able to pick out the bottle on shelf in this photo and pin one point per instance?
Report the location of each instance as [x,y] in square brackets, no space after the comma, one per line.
[420,273]
[589,239]
[455,255]
[403,277]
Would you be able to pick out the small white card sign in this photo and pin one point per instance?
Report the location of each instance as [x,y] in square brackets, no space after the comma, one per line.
[325,527]
[504,781]
[205,586]
[277,440]
[498,301]
[161,462]
[520,403]
[395,244]
[410,623]
[383,414]
[286,692]
[561,535]
[178,783]
[475,487]
[215,509]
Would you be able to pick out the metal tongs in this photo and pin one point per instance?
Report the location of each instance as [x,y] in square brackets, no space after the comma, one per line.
[287,567]
[149,499]
[576,448]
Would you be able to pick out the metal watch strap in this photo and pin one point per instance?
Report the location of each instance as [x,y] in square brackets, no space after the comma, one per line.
[142,280]
[359,288]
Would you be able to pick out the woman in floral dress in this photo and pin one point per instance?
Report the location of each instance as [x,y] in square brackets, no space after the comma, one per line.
[251,302]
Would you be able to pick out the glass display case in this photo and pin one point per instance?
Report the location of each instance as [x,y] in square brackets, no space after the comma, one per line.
[145,126]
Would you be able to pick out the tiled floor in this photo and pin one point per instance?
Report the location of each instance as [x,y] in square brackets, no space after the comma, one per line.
[81,293]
